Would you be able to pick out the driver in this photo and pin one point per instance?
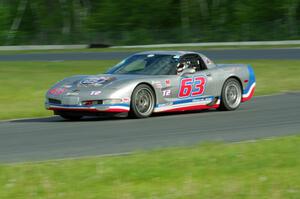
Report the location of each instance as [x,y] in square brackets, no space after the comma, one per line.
[182,65]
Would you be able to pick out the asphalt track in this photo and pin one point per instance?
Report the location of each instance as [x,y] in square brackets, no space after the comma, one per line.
[226,54]
[54,138]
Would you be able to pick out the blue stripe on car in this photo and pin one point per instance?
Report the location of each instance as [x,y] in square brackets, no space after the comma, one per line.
[186,101]
[251,79]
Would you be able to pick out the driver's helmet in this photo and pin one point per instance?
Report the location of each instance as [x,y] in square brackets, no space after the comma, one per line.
[181,66]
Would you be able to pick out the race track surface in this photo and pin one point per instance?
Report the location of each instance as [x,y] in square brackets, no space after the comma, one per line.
[52,138]
[226,54]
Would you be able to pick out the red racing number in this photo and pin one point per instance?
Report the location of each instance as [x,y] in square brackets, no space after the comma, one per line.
[192,86]
[186,87]
[199,83]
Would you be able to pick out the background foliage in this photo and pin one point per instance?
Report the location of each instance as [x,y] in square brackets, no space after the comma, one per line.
[144,22]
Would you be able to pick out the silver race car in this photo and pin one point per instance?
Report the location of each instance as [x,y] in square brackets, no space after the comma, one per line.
[154,81]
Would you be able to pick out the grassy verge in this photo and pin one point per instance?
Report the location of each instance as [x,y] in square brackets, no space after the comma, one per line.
[23,84]
[193,48]
[262,169]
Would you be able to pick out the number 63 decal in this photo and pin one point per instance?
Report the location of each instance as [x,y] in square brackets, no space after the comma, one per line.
[192,86]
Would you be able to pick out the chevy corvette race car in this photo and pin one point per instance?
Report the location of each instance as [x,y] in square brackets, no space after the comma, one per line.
[154,81]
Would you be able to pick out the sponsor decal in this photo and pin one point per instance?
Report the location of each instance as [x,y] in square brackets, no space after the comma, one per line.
[95,93]
[72,94]
[157,84]
[168,83]
[201,99]
[165,104]
[166,93]
[126,99]
[67,86]
[207,61]
[97,81]
[192,87]
[57,91]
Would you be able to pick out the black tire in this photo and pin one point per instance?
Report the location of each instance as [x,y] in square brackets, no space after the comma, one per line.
[70,116]
[142,101]
[231,95]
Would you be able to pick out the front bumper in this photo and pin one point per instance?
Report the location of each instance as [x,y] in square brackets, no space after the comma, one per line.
[116,108]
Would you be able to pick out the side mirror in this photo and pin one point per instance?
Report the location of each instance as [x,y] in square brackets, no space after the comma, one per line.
[188,71]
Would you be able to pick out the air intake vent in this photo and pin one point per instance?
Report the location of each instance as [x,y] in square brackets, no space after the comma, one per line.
[54,101]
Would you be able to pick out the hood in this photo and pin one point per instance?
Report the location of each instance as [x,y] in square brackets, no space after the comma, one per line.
[95,82]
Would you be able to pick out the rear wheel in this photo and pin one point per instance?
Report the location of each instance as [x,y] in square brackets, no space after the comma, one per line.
[231,96]
[142,101]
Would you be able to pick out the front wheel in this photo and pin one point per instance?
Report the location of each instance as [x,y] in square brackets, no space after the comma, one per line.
[231,96]
[142,101]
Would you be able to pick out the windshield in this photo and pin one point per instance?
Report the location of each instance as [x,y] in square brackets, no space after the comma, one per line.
[149,64]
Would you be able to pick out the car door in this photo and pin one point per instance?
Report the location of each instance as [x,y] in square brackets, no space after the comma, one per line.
[198,86]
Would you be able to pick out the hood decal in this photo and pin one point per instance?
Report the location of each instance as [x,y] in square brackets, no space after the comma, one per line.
[57,91]
[96,81]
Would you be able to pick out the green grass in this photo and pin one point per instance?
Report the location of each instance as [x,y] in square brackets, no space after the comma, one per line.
[274,76]
[23,84]
[262,169]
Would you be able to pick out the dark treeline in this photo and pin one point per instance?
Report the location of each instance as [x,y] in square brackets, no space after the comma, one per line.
[144,22]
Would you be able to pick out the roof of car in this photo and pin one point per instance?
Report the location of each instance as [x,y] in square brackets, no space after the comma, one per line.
[207,61]
[166,52]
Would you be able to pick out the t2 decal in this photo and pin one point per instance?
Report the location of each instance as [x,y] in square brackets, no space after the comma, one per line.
[192,87]
[166,93]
